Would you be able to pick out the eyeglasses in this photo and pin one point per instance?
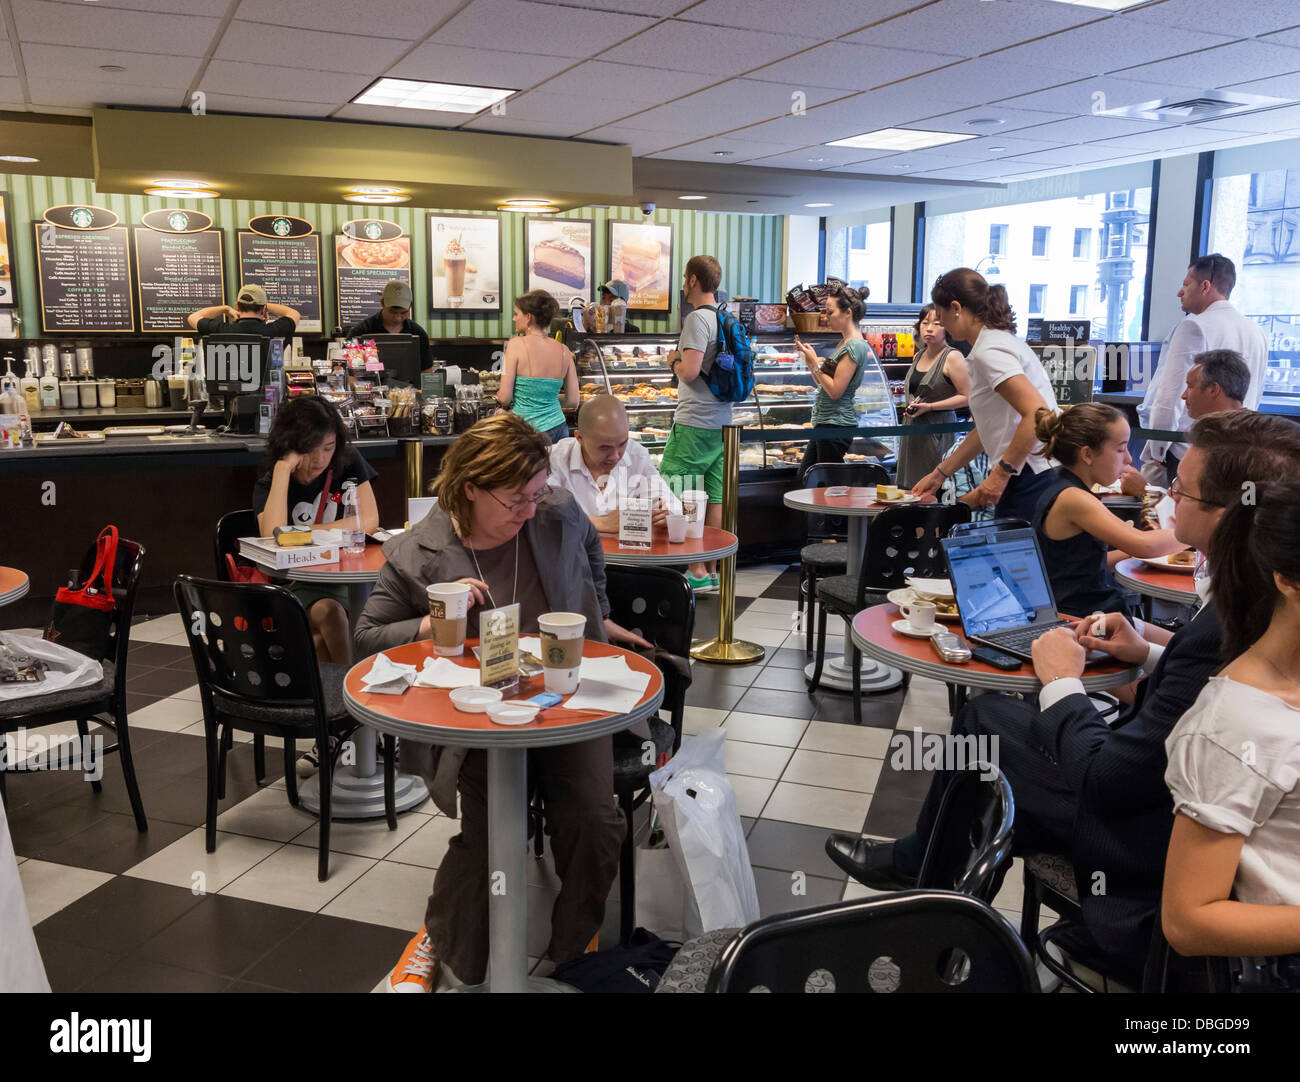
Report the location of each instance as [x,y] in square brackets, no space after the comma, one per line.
[519,505]
[1177,491]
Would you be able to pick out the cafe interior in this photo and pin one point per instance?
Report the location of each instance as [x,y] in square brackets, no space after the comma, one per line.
[264,742]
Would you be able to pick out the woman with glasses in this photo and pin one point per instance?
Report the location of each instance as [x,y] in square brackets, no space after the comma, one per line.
[499,529]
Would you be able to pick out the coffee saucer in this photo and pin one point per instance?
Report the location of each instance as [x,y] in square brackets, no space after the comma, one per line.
[903,627]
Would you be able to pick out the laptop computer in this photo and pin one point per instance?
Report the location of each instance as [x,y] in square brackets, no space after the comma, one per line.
[1002,590]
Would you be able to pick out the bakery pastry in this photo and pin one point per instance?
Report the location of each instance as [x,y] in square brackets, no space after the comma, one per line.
[639,261]
[1182,559]
[559,262]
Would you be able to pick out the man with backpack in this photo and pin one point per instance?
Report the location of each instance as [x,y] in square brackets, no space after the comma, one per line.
[693,457]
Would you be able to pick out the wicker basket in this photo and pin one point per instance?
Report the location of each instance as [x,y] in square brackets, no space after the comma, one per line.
[806,322]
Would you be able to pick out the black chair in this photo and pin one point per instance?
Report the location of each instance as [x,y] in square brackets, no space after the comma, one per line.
[657,604]
[902,542]
[258,672]
[970,846]
[910,941]
[105,701]
[988,524]
[821,556]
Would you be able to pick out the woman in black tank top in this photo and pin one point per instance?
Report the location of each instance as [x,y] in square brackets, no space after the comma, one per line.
[1081,539]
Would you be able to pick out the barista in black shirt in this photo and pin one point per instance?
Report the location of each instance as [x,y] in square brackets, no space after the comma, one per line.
[395,318]
[255,316]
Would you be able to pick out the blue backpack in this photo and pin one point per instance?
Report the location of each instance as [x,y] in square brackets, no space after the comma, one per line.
[731,379]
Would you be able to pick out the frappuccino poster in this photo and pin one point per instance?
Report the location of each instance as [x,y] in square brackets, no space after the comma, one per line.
[464,263]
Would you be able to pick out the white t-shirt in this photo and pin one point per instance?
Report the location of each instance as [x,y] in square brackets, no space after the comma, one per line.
[995,357]
[635,475]
[697,406]
[1234,760]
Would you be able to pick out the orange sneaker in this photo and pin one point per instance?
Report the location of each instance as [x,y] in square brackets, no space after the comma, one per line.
[594,945]
[417,969]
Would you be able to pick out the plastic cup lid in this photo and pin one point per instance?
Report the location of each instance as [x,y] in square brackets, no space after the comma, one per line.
[474,700]
[515,712]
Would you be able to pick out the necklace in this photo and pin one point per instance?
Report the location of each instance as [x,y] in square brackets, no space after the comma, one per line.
[514,593]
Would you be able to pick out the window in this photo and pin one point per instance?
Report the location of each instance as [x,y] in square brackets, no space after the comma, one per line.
[859,255]
[997,240]
[1078,300]
[1116,240]
[1040,240]
[1083,244]
[1036,294]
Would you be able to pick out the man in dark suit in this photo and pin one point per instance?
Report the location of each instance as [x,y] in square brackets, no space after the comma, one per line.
[1081,786]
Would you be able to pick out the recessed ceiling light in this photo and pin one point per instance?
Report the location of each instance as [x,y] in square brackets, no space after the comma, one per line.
[376,198]
[984,122]
[533,208]
[723,153]
[1104,5]
[899,139]
[169,183]
[535,203]
[183,193]
[17,158]
[111,67]
[816,159]
[819,204]
[994,150]
[373,189]
[441,97]
[692,197]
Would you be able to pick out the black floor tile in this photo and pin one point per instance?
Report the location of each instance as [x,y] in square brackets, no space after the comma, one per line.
[138,700]
[38,828]
[715,695]
[781,593]
[903,784]
[119,916]
[176,754]
[136,975]
[787,657]
[155,655]
[776,891]
[747,824]
[775,678]
[781,704]
[707,679]
[246,986]
[160,682]
[330,954]
[223,935]
[791,847]
[112,843]
[878,711]
[70,965]
[891,817]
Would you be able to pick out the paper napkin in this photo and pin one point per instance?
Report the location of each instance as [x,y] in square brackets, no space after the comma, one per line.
[387,677]
[442,672]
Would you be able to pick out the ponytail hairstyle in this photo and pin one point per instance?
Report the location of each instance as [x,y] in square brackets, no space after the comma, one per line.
[1064,435]
[1251,542]
[968,288]
[852,299]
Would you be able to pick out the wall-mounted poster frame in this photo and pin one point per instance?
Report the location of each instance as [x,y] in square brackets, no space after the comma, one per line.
[464,254]
[641,254]
[560,257]
[8,281]
[368,254]
[287,265]
[90,272]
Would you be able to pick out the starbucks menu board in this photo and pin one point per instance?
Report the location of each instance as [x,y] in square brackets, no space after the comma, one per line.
[288,268]
[362,269]
[84,278]
[179,273]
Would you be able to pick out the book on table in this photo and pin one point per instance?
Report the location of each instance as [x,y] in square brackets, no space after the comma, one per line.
[264,551]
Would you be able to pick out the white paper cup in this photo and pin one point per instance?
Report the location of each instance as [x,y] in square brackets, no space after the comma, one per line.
[676,529]
[448,607]
[562,635]
[920,614]
[697,500]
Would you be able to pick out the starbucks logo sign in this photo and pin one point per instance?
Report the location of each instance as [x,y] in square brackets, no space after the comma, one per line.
[179,221]
[282,227]
[374,230]
[82,217]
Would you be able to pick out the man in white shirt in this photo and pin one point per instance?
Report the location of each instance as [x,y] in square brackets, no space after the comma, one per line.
[601,464]
[1211,324]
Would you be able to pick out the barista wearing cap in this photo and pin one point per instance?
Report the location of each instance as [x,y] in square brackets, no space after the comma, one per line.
[253,314]
[617,288]
[395,318]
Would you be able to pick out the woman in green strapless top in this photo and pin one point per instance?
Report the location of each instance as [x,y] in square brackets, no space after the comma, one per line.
[537,370]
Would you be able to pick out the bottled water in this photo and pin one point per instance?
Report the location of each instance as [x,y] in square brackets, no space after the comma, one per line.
[354,538]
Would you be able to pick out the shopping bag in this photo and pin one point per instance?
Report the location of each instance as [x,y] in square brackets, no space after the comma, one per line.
[697,807]
[82,617]
[665,903]
[65,669]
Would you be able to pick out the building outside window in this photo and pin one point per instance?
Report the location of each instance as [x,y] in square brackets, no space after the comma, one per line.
[859,255]
[1082,243]
[1078,300]
[1041,233]
[997,240]
[1036,295]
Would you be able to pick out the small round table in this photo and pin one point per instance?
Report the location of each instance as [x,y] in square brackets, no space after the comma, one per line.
[1175,586]
[13,585]
[714,545]
[427,714]
[358,790]
[858,506]
[875,637]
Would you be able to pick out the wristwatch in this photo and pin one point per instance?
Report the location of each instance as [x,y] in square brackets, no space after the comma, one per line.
[1010,469]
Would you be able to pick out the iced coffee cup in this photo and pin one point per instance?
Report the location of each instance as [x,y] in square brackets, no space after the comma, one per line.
[694,504]
[562,635]
[448,608]
[453,262]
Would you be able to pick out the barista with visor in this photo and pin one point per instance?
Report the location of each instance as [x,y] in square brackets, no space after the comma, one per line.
[395,318]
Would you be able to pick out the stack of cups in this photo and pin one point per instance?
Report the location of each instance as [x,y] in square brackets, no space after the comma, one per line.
[562,634]
[694,503]
[448,609]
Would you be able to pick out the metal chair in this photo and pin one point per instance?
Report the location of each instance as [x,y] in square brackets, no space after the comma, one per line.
[104,702]
[258,672]
[988,524]
[902,543]
[909,941]
[819,558]
[970,846]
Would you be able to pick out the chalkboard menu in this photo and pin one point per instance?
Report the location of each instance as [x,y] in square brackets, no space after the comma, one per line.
[177,273]
[363,267]
[84,279]
[288,268]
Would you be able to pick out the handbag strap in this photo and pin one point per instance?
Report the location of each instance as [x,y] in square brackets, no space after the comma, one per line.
[324,497]
[105,561]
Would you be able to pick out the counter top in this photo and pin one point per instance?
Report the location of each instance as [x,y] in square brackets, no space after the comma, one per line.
[126,415]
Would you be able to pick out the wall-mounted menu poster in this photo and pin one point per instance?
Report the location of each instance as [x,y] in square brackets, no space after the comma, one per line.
[288,268]
[176,274]
[8,296]
[559,257]
[464,263]
[641,254]
[368,254]
[84,279]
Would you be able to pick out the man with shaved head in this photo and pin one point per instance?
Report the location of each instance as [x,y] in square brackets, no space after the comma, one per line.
[602,463]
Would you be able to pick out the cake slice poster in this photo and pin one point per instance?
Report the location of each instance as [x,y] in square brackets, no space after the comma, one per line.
[559,256]
[641,254]
[464,263]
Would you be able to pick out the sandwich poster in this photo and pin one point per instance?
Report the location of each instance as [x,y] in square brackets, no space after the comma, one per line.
[8,299]
[559,257]
[641,254]
[464,263]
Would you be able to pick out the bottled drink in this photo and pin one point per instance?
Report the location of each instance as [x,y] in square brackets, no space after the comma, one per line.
[354,537]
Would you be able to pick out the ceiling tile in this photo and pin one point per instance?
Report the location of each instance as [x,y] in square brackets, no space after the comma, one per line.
[742,150]
[639,142]
[97,27]
[512,126]
[852,67]
[1112,44]
[11,91]
[1245,18]
[238,103]
[658,8]
[987,77]
[142,69]
[214,8]
[416,118]
[972,27]
[996,145]
[821,19]
[1012,120]
[635,87]
[892,106]
[258,43]
[967,171]
[691,47]
[1089,129]
[478,67]
[1271,120]
[923,160]
[540,28]
[1221,65]
[832,158]
[1275,86]
[7,65]
[274,82]
[407,19]
[1182,139]
[1066,155]
[1082,96]
[1284,37]
[732,104]
[573,111]
[73,92]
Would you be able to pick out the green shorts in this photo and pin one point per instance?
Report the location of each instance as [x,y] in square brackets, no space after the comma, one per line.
[694,457]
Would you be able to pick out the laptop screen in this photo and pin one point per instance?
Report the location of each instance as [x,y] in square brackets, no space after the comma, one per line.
[999,581]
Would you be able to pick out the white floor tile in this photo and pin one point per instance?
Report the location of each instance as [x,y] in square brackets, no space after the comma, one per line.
[50,887]
[853,890]
[364,838]
[756,760]
[811,805]
[191,693]
[751,794]
[186,863]
[390,894]
[696,719]
[426,847]
[851,772]
[765,729]
[830,736]
[770,604]
[771,637]
[927,718]
[170,715]
[288,877]
[782,620]
[266,814]
[160,629]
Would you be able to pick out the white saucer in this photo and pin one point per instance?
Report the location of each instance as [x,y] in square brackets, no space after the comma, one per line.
[906,498]
[904,628]
[905,595]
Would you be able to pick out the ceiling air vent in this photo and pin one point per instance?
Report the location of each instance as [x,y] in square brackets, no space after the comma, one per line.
[1207,105]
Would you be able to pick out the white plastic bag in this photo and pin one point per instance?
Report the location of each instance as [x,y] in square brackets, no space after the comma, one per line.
[697,807]
[65,669]
[665,904]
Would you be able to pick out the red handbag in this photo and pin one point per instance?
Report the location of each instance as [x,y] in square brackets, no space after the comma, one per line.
[81,617]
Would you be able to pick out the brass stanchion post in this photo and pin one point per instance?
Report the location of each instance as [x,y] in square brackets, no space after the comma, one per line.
[725,650]
[414,470]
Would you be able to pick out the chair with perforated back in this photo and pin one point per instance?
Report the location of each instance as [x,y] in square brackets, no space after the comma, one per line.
[258,672]
[902,543]
[971,841]
[909,941]
[996,524]
[105,701]
[824,554]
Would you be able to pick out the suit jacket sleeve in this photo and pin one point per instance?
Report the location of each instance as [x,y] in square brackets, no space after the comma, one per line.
[389,618]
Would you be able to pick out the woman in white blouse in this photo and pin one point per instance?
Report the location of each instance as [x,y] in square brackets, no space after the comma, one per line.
[1232,877]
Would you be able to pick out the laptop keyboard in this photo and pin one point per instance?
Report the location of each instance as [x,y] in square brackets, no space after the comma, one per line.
[1021,639]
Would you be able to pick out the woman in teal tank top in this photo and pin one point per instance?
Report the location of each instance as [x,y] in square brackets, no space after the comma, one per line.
[537,370]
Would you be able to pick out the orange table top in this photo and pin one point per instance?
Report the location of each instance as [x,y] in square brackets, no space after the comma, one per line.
[362,567]
[859,500]
[427,713]
[13,584]
[1160,583]
[714,545]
